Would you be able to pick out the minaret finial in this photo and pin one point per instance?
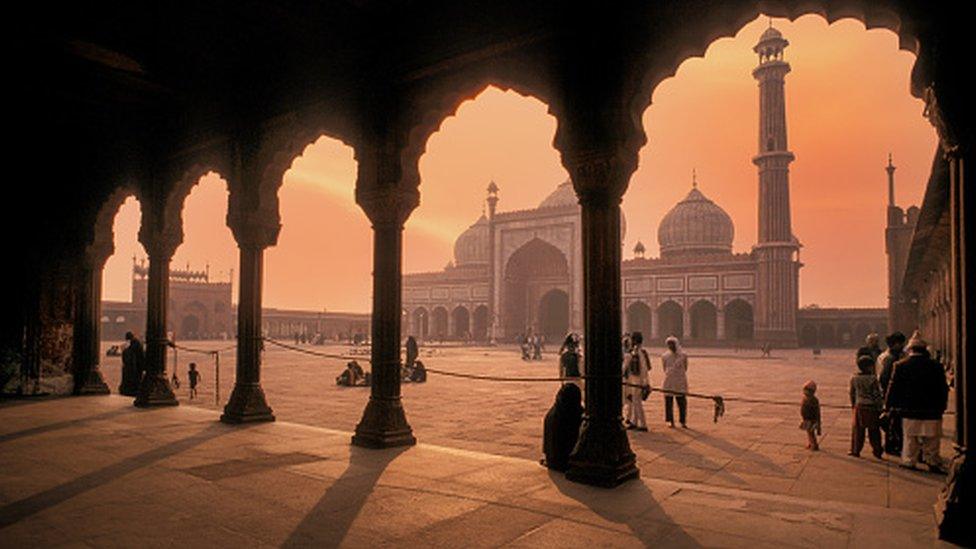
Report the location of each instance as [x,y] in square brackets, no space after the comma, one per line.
[694,178]
[770,22]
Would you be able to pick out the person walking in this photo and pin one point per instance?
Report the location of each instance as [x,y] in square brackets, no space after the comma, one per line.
[675,363]
[133,364]
[866,404]
[637,367]
[891,425]
[918,392]
[193,375]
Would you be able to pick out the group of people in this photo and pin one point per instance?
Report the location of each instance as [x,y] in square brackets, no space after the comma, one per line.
[901,391]
[562,422]
[134,367]
[531,345]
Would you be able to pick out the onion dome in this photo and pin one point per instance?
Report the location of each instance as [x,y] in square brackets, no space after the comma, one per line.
[771,42]
[471,247]
[564,195]
[696,225]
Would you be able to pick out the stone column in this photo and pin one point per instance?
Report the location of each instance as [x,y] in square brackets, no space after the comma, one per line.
[686,321]
[655,324]
[384,423]
[602,456]
[155,390]
[247,402]
[88,378]
[720,324]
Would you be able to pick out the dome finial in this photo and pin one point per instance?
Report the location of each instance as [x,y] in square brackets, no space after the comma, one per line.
[694,178]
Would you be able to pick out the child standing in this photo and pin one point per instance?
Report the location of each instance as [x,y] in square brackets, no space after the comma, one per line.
[866,402]
[194,377]
[810,412]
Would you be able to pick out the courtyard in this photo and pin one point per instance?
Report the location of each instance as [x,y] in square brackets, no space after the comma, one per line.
[754,446]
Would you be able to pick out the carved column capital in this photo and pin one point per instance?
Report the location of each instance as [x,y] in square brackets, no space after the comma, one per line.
[600,176]
[254,230]
[161,244]
[388,206]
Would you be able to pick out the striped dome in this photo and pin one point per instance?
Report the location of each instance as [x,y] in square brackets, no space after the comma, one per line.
[696,225]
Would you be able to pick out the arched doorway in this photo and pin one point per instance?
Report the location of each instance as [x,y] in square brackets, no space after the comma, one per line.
[738,320]
[421,322]
[190,327]
[639,318]
[554,315]
[670,317]
[845,334]
[808,336]
[826,336]
[462,323]
[439,317]
[532,272]
[480,322]
[704,321]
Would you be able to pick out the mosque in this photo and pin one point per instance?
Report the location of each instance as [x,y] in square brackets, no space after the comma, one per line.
[521,271]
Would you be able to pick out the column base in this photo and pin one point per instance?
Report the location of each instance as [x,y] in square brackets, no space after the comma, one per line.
[247,405]
[956,506]
[92,384]
[602,456]
[384,425]
[154,390]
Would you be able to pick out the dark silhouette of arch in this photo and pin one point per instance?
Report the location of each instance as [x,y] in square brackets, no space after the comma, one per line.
[462,322]
[639,318]
[439,328]
[480,322]
[670,318]
[554,315]
[704,320]
[739,320]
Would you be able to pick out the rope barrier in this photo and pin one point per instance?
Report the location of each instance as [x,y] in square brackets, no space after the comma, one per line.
[307,351]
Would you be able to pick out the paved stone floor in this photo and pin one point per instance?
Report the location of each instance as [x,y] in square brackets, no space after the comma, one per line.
[95,471]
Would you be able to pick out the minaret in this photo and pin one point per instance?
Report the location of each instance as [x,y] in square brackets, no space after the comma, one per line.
[492,276]
[777,288]
[898,240]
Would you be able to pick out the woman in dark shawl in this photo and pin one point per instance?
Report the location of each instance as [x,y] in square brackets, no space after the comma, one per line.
[561,427]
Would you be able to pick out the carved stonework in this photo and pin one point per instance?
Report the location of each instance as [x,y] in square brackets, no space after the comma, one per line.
[254,230]
[388,205]
[600,176]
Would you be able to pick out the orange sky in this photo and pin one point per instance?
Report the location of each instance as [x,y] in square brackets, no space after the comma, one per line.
[848,105]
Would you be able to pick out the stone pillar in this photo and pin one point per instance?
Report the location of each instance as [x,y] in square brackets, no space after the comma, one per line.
[247,402]
[602,456]
[384,423]
[655,324]
[88,378]
[720,324]
[154,389]
[957,502]
[686,321]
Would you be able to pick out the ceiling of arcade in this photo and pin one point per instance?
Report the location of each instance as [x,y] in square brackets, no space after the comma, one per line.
[210,85]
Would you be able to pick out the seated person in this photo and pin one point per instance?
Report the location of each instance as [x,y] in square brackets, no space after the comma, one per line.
[561,427]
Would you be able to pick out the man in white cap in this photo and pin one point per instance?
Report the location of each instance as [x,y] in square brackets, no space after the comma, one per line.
[918,393]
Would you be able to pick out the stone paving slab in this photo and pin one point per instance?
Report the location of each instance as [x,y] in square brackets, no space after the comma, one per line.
[96,472]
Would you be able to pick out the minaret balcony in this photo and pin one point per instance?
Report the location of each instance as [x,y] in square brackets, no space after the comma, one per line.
[772,158]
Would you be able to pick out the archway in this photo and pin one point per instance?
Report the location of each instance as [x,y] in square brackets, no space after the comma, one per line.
[421,323]
[639,318]
[704,321]
[845,334]
[533,271]
[554,315]
[462,323]
[670,318]
[808,336]
[826,336]
[439,328]
[190,327]
[738,320]
[480,330]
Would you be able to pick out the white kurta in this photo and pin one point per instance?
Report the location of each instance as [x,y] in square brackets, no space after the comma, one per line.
[675,371]
[633,403]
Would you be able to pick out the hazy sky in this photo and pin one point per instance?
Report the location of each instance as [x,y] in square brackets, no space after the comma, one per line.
[848,105]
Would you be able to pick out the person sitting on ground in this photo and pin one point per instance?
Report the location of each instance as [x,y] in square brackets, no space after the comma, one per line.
[561,427]
[637,367]
[194,376]
[675,363]
[885,366]
[866,403]
[352,376]
[870,347]
[810,413]
[918,393]
[418,374]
